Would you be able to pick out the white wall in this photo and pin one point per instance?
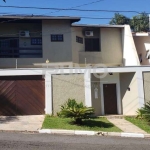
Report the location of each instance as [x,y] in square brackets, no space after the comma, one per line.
[130,55]
[109,79]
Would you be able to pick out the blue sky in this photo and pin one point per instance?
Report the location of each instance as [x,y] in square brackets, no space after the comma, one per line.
[123,5]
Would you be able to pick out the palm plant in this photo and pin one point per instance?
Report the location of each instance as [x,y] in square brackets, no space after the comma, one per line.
[77,111]
[146,111]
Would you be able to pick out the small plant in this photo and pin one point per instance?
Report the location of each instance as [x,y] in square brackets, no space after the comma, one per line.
[77,111]
[139,114]
[146,111]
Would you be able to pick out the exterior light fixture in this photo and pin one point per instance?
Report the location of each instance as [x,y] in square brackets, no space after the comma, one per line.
[110,73]
[128,88]
[47,61]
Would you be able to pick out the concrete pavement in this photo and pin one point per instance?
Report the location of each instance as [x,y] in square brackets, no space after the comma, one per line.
[125,125]
[21,123]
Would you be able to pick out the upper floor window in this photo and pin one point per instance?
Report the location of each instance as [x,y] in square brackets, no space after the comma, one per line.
[36,41]
[92,44]
[57,38]
[79,39]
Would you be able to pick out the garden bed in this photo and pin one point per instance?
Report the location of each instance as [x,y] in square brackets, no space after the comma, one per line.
[95,124]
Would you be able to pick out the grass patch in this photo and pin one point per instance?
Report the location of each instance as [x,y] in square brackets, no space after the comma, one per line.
[96,124]
[143,124]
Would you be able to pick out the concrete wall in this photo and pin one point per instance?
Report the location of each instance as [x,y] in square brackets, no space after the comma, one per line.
[57,51]
[130,56]
[142,44]
[54,51]
[76,47]
[111,79]
[65,87]
[12,30]
[110,43]
[146,80]
[130,100]
[96,102]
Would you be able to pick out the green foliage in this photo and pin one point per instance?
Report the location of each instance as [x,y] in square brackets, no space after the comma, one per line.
[77,111]
[119,19]
[140,23]
[139,114]
[144,112]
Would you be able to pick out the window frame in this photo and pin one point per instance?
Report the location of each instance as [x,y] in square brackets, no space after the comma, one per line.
[92,45]
[57,38]
[37,38]
[79,39]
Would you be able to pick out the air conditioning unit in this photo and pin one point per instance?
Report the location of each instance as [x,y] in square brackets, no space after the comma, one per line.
[89,33]
[24,34]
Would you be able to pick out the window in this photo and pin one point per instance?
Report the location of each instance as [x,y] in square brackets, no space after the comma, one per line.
[57,38]
[9,47]
[36,41]
[140,58]
[79,39]
[92,44]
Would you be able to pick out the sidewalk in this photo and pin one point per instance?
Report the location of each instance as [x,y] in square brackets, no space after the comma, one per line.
[21,123]
[125,125]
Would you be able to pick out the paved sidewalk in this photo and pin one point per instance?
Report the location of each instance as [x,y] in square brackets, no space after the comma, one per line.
[21,123]
[125,125]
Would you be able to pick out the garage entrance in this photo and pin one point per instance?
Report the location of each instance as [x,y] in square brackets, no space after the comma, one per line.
[22,95]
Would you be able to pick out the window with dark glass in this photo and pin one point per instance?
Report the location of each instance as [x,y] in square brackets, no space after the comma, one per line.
[57,38]
[9,47]
[92,44]
[79,39]
[36,41]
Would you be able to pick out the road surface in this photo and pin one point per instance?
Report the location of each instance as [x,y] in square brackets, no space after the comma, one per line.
[29,141]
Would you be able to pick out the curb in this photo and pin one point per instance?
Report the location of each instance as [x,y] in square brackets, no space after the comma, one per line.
[91,133]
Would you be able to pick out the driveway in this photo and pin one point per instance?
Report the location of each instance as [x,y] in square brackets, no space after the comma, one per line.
[21,123]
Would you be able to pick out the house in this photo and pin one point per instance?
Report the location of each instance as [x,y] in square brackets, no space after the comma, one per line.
[46,60]
[142,43]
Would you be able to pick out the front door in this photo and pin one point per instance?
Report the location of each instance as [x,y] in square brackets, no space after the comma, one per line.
[110,98]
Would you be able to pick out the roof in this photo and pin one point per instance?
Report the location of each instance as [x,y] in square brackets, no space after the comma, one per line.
[98,25]
[141,34]
[37,18]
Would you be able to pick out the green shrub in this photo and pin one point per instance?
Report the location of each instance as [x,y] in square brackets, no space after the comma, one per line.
[77,111]
[144,112]
[139,114]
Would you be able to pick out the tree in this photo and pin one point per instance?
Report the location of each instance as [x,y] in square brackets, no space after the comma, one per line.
[4,1]
[140,23]
[119,19]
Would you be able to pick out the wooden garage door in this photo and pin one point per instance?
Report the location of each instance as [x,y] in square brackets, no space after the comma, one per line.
[110,98]
[22,95]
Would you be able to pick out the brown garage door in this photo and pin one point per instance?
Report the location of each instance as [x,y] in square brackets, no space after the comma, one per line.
[22,95]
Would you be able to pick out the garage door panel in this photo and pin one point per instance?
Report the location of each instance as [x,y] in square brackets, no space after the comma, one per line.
[22,95]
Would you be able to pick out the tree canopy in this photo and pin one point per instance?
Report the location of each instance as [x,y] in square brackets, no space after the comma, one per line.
[119,19]
[138,23]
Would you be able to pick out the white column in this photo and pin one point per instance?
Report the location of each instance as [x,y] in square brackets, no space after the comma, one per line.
[140,88]
[87,84]
[48,93]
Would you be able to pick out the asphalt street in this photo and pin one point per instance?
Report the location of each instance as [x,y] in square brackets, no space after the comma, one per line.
[29,141]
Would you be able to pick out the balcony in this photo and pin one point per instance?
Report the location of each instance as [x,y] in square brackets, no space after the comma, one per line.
[90,57]
[20,52]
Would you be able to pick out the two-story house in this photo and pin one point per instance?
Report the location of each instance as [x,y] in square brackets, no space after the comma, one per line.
[46,60]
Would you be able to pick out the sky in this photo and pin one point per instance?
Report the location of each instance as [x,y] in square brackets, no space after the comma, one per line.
[116,5]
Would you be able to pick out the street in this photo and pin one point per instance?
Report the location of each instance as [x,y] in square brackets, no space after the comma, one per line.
[24,141]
